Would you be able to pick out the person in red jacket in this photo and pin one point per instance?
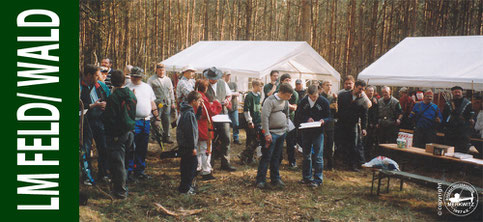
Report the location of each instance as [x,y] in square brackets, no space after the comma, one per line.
[205,129]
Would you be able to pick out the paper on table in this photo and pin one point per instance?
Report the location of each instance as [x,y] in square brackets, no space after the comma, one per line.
[473,160]
[221,118]
[310,125]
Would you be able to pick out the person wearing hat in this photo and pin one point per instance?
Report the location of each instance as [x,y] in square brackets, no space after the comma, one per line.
[219,90]
[426,116]
[186,84]
[233,110]
[299,88]
[163,89]
[407,104]
[458,121]
[145,110]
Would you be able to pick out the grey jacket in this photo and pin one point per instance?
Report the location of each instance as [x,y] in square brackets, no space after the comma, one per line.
[275,116]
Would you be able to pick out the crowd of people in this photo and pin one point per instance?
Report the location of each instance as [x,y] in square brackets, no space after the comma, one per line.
[119,108]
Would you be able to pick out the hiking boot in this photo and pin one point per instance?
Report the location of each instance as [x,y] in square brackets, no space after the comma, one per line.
[167,141]
[142,176]
[208,177]
[292,166]
[87,182]
[278,184]
[229,168]
[313,184]
[305,181]
[261,185]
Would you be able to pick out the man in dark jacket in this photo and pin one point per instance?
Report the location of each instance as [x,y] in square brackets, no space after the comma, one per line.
[94,94]
[350,111]
[370,140]
[187,138]
[458,121]
[312,108]
[119,120]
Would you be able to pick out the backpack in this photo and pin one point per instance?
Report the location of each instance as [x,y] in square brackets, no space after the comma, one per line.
[119,120]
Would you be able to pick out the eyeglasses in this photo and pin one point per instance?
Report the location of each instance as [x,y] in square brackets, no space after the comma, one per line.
[159,67]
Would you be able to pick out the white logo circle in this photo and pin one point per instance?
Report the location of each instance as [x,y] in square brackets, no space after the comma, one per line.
[460,199]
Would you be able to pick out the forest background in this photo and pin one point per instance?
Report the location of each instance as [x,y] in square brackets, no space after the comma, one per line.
[349,34]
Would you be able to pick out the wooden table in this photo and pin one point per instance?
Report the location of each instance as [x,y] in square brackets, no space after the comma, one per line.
[422,152]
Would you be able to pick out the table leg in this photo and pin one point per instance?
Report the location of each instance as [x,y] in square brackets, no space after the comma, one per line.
[379,184]
[373,178]
[401,185]
[388,182]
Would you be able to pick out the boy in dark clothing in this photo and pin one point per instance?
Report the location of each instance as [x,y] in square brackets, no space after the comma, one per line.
[119,120]
[187,138]
[310,109]
[252,111]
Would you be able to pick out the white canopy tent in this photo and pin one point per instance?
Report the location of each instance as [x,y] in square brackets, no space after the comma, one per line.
[430,62]
[255,59]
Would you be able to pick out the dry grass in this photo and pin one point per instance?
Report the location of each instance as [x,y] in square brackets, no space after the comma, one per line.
[345,196]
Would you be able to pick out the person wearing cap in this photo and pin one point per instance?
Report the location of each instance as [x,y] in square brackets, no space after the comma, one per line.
[426,116]
[186,84]
[107,63]
[389,117]
[299,88]
[458,121]
[163,89]
[233,110]
[407,104]
[145,110]
[219,90]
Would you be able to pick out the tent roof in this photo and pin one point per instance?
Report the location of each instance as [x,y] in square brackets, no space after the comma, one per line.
[433,62]
[252,58]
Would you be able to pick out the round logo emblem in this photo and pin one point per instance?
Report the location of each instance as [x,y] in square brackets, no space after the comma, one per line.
[461,199]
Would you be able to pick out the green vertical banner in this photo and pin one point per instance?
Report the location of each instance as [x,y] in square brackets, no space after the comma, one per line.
[40,110]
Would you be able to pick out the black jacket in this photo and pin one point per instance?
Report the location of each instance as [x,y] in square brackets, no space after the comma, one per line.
[319,111]
[187,130]
[350,111]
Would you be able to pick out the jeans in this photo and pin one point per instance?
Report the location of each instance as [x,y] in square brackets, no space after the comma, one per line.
[165,116]
[271,156]
[85,159]
[118,147]
[137,161]
[187,167]
[99,135]
[234,123]
[313,142]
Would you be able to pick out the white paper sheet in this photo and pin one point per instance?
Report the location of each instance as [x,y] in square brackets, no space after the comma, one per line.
[310,125]
[221,118]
